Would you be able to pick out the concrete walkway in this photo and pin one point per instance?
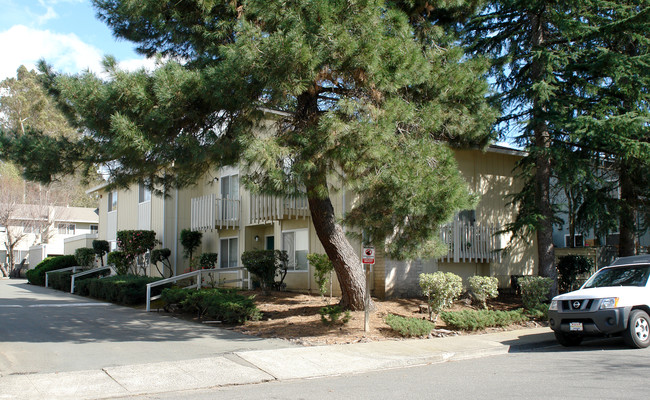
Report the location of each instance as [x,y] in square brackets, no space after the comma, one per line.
[256,366]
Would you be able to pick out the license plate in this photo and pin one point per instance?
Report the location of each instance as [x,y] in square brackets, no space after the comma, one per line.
[575,326]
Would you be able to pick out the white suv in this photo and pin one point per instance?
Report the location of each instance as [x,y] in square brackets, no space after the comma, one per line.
[614,301]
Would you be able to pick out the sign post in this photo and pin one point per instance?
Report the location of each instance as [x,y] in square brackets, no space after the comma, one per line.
[368,259]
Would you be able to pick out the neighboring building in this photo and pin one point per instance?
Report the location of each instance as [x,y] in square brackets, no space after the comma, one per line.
[233,221]
[43,230]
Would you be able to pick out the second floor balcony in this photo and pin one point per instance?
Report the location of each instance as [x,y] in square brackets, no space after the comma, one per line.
[266,208]
[212,212]
[470,242]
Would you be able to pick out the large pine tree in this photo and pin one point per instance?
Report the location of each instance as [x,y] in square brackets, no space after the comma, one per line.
[371,94]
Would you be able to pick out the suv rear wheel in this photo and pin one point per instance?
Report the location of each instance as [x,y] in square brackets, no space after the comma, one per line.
[637,334]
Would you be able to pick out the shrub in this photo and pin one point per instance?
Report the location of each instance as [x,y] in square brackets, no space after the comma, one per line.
[134,243]
[569,267]
[534,291]
[226,305]
[60,280]
[409,327]
[483,288]
[323,270]
[101,248]
[36,276]
[471,320]
[85,256]
[331,315]
[161,256]
[120,289]
[208,260]
[118,259]
[441,290]
[190,240]
[265,264]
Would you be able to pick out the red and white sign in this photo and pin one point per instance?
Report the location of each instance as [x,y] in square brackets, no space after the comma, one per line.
[368,255]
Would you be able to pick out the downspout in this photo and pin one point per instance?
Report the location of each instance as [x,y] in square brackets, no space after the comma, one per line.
[164,199]
[176,232]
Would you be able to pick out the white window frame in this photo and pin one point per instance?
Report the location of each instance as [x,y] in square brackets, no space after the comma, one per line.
[228,239]
[65,229]
[94,231]
[144,193]
[578,240]
[292,266]
[112,205]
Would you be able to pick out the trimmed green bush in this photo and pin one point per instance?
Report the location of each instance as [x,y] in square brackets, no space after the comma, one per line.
[60,280]
[331,315]
[120,289]
[118,259]
[535,290]
[471,320]
[322,270]
[85,256]
[101,248]
[441,290]
[36,276]
[265,264]
[208,260]
[409,327]
[483,288]
[226,305]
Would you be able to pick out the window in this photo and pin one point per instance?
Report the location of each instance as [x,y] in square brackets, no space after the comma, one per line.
[3,229]
[229,253]
[578,240]
[67,229]
[144,193]
[112,201]
[94,229]
[296,244]
[467,217]
[28,228]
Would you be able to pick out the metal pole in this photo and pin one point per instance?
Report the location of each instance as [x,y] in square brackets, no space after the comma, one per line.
[366,300]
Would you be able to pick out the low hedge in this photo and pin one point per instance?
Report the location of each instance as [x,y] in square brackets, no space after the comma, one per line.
[60,280]
[471,320]
[120,289]
[409,326]
[36,276]
[226,305]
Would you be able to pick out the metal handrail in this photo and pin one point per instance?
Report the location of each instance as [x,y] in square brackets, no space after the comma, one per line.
[198,274]
[90,271]
[73,269]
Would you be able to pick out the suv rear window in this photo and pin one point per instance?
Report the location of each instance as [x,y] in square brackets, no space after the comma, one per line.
[620,276]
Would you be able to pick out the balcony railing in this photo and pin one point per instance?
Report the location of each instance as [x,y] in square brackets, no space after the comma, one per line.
[209,212]
[270,208]
[470,242]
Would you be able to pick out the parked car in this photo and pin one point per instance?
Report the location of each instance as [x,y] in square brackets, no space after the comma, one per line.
[614,301]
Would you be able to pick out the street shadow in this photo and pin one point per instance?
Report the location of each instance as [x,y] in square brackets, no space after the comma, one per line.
[63,318]
[545,342]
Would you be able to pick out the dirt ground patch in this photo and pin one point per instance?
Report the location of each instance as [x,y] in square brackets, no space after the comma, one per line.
[296,317]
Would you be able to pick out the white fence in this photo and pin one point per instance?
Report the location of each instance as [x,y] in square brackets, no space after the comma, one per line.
[197,276]
[268,208]
[470,242]
[209,212]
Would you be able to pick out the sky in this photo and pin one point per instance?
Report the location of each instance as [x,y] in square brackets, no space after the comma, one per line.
[66,33]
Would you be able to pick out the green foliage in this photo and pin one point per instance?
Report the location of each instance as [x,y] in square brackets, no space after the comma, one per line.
[265,264]
[322,270]
[569,267]
[208,260]
[134,243]
[409,327]
[226,305]
[120,289]
[190,240]
[539,313]
[119,260]
[441,290]
[85,256]
[483,288]
[36,276]
[101,247]
[331,315]
[534,291]
[60,280]
[471,320]
[161,256]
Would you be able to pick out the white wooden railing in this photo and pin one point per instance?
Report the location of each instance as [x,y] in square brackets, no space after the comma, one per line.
[470,242]
[209,212]
[266,208]
[91,271]
[198,277]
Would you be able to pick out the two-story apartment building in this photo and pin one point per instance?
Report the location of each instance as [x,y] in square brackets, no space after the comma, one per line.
[233,220]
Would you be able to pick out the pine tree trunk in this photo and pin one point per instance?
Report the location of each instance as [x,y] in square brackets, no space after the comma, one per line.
[545,249]
[627,237]
[346,262]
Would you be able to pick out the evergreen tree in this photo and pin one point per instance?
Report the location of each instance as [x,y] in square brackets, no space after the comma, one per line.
[367,95]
